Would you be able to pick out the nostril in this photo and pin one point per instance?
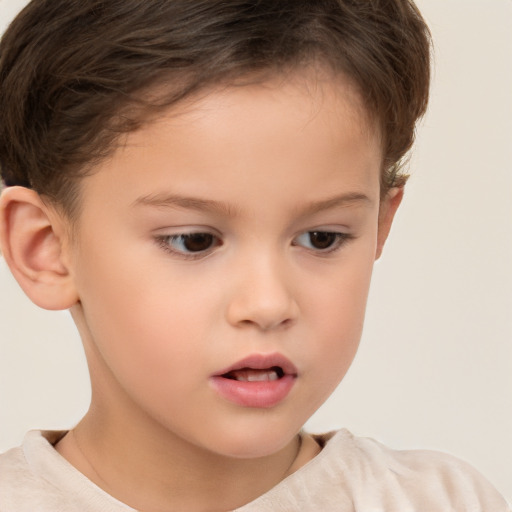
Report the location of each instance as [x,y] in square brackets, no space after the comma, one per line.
[267,325]
[262,299]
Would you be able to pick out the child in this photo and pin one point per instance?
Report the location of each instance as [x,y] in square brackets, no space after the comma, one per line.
[205,185]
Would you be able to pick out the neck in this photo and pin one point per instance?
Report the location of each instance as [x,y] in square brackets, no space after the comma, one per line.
[153,472]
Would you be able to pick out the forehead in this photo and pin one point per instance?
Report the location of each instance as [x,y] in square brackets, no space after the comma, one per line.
[296,100]
[303,91]
[282,129]
[315,85]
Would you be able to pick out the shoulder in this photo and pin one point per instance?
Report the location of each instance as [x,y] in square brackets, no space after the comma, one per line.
[362,475]
[34,477]
[22,486]
[430,480]
[17,482]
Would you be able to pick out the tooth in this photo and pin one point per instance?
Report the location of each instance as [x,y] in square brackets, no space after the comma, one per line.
[255,375]
[262,376]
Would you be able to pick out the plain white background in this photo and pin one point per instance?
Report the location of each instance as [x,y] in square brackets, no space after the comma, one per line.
[435,365]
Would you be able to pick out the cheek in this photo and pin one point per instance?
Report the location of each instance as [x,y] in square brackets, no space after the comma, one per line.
[140,320]
[146,349]
[337,312]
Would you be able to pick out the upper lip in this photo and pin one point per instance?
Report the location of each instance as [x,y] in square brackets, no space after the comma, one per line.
[262,362]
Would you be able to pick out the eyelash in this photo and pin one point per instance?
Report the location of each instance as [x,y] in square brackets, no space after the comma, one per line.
[165,242]
[340,239]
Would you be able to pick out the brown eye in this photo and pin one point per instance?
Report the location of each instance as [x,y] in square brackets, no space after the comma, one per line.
[322,239]
[197,242]
[322,242]
[189,244]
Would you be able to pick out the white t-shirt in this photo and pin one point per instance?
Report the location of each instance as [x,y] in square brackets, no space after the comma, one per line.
[350,474]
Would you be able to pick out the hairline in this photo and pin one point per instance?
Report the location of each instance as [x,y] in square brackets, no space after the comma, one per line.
[145,104]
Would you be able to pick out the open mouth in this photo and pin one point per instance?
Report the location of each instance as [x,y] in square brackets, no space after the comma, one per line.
[257,381]
[255,375]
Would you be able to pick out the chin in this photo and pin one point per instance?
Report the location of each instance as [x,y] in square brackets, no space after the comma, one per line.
[252,443]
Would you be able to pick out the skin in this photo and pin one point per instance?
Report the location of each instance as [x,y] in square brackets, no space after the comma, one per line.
[258,167]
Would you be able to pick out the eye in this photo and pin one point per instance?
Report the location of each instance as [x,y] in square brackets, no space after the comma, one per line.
[189,244]
[322,241]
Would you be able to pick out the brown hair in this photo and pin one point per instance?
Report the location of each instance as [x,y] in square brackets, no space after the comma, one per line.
[70,71]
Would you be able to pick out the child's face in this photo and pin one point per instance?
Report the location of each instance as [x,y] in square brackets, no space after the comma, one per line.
[244,226]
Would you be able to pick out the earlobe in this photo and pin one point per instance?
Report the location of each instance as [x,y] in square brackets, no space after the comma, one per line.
[388,207]
[32,243]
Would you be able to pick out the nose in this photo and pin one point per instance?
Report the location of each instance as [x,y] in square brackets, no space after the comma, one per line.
[262,295]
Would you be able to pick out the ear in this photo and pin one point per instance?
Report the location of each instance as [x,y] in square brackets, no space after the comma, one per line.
[33,242]
[388,207]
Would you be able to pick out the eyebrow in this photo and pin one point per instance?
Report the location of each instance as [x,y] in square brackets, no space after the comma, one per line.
[189,203]
[223,208]
[343,200]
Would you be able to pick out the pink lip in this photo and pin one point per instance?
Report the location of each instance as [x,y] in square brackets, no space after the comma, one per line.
[262,362]
[260,394]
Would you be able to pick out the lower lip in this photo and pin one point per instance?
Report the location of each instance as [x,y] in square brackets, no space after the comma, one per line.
[262,395]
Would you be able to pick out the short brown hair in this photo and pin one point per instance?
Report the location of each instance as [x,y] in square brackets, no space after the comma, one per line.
[71,69]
